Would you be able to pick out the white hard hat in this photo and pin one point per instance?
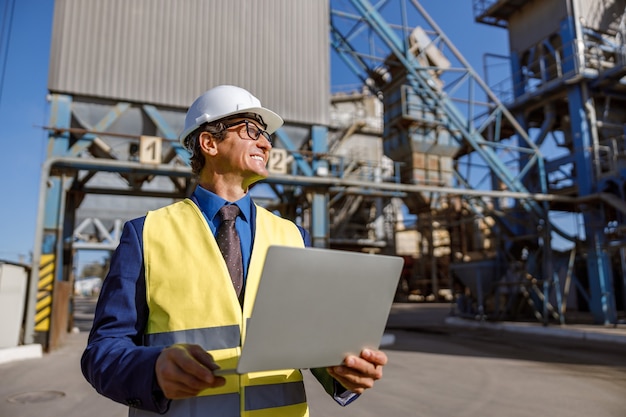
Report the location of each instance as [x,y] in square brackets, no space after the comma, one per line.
[223,101]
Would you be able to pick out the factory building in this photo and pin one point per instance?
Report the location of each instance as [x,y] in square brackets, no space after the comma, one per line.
[467,181]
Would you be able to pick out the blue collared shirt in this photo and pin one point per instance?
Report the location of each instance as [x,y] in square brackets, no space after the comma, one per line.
[210,203]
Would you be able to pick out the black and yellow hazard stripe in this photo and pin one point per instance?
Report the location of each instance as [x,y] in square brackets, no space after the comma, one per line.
[44,293]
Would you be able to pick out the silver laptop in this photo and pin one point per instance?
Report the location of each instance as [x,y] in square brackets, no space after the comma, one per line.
[315,306]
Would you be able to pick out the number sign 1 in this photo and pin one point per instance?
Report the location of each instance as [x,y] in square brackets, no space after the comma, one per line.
[150,150]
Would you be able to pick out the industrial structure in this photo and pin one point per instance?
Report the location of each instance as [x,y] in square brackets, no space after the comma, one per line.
[424,136]
[444,123]
[567,64]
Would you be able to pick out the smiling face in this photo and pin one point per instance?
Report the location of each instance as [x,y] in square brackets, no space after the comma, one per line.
[237,161]
[241,154]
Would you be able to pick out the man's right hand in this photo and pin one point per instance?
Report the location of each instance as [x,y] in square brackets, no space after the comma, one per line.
[183,370]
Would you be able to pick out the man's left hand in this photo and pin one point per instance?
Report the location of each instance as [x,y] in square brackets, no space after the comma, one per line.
[358,373]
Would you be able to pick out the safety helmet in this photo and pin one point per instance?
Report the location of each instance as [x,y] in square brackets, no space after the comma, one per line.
[223,101]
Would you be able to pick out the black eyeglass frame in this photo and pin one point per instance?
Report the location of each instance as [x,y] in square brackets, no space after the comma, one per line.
[259,131]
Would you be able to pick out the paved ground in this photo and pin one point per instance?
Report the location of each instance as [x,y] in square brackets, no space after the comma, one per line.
[439,366]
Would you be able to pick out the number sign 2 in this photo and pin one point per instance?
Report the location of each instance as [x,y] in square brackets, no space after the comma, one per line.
[277,163]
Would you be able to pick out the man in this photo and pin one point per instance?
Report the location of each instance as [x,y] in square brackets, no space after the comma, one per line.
[173,307]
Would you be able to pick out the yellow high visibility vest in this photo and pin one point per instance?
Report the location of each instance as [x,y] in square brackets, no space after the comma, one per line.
[191,299]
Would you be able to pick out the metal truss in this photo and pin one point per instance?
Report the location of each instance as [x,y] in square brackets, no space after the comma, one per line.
[370,41]
[91,233]
[381,41]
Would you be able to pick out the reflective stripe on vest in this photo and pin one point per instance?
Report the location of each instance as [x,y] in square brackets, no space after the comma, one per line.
[277,395]
[191,300]
[224,405]
[210,339]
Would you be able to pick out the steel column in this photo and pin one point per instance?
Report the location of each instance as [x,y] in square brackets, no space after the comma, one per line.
[47,245]
[601,297]
[319,214]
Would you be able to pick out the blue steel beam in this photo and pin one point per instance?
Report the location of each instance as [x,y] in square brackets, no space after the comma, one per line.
[60,116]
[159,121]
[291,148]
[165,128]
[320,220]
[602,298]
[339,43]
[58,145]
[101,126]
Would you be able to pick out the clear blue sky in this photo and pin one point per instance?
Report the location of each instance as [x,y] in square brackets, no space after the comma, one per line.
[23,106]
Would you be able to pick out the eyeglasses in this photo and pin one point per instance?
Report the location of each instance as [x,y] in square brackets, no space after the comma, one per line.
[252,130]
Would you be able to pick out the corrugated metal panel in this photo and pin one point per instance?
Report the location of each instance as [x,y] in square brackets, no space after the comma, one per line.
[167,52]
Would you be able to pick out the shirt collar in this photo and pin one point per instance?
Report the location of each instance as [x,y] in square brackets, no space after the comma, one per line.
[210,203]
